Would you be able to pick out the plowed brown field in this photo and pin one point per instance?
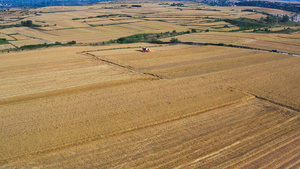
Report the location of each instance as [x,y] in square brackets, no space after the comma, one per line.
[176,106]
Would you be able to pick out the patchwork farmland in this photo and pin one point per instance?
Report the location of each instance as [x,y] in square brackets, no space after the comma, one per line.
[177,106]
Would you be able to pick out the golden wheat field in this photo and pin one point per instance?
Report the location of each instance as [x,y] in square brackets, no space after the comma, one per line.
[109,20]
[282,42]
[177,106]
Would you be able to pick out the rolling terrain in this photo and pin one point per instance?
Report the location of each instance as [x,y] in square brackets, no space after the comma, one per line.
[184,106]
[102,105]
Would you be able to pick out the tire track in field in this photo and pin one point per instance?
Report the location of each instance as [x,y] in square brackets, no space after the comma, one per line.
[122,66]
[266,137]
[254,155]
[289,149]
[48,41]
[70,90]
[86,140]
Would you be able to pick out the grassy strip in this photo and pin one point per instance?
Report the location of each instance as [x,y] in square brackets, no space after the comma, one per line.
[145,37]
[268,22]
[27,23]
[284,31]
[246,24]
[37,46]
[3,41]
[287,31]
[30,47]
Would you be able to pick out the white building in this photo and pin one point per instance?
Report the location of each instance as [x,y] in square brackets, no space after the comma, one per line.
[295,17]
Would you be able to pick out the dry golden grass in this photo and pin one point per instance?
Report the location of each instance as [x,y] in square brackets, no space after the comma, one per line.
[209,139]
[6,46]
[275,88]
[72,102]
[27,42]
[269,45]
[271,11]
[20,37]
[176,106]
[185,61]
[289,43]
[63,29]
[51,80]
[238,10]
[29,59]
[255,16]
[6,37]
[100,22]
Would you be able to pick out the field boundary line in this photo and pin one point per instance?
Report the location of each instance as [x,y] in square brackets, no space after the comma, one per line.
[124,67]
[133,47]
[35,38]
[265,99]
[230,46]
[86,140]
[15,39]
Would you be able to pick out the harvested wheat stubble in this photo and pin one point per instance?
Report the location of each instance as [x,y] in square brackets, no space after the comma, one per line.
[282,42]
[27,42]
[213,107]
[88,114]
[220,138]
[6,46]
[181,61]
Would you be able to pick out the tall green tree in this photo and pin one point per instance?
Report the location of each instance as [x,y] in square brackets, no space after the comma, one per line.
[285,18]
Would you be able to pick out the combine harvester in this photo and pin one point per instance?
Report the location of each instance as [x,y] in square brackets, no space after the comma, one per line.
[146,49]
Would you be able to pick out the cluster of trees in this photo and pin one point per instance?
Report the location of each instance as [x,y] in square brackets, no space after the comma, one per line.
[27,23]
[150,37]
[70,43]
[174,40]
[3,41]
[267,22]
[271,19]
[245,23]
[218,2]
[293,7]
[30,47]
[136,6]
[133,38]
[177,4]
